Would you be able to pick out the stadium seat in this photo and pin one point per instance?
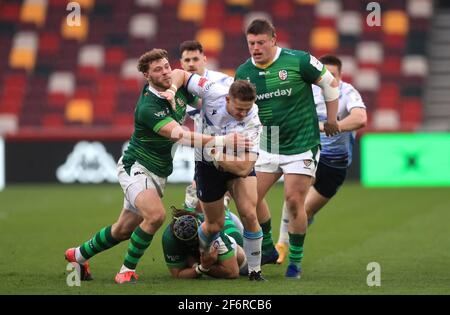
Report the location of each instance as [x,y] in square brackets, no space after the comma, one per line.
[49,43]
[349,66]
[395,22]
[34,11]
[242,3]
[211,39]
[148,3]
[8,123]
[75,32]
[386,119]
[283,9]
[22,58]
[414,65]
[79,110]
[61,85]
[10,12]
[420,8]
[367,80]
[191,10]
[411,113]
[91,56]
[350,23]
[307,2]
[144,26]
[370,52]
[324,39]
[52,120]
[328,9]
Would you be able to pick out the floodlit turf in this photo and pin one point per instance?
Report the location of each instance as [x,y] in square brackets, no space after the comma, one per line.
[406,231]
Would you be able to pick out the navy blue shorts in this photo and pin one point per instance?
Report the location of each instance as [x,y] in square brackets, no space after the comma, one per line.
[212,183]
[329,179]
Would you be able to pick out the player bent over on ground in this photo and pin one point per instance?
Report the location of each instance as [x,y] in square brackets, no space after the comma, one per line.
[144,168]
[181,249]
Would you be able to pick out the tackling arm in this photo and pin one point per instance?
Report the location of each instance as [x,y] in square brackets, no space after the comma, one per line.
[330,89]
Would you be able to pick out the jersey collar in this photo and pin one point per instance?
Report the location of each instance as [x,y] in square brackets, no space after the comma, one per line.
[154,91]
[277,55]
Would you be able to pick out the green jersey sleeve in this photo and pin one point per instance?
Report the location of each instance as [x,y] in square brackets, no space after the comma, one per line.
[310,68]
[155,116]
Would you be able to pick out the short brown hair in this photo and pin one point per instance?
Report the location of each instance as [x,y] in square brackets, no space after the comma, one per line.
[149,57]
[261,26]
[242,90]
[331,60]
[190,45]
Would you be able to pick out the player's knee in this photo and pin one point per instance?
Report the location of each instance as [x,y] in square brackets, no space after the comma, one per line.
[215,227]
[233,272]
[249,217]
[159,217]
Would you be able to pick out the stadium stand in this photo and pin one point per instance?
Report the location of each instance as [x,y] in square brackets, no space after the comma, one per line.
[54,74]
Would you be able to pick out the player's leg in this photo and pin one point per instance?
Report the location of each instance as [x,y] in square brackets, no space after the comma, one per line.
[150,207]
[296,187]
[314,202]
[143,191]
[106,238]
[211,188]
[214,221]
[244,192]
[264,182]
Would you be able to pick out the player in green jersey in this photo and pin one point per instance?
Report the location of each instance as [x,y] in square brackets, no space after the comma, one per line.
[290,143]
[144,167]
[181,249]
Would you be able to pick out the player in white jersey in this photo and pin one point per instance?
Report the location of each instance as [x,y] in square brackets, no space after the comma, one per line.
[193,60]
[336,151]
[227,109]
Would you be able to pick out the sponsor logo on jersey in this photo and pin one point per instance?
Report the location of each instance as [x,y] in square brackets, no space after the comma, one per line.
[138,173]
[216,244]
[214,112]
[202,81]
[160,114]
[277,93]
[180,102]
[283,74]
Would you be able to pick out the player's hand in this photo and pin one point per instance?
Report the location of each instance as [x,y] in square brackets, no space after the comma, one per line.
[321,127]
[331,128]
[207,259]
[169,95]
[237,141]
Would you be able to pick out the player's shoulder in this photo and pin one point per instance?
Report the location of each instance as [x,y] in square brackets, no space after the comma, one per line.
[347,88]
[245,66]
[293,53]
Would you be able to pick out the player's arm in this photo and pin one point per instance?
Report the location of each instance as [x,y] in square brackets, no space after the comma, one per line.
[240,165]
[184,273]
[330,89]
[313,71]
[224,268]
[356,120]
[175,132]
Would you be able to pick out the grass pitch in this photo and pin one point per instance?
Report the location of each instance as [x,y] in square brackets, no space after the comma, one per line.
[406,231]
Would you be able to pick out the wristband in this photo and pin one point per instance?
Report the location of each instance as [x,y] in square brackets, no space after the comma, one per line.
[197,269]
[202,269]
[219,141]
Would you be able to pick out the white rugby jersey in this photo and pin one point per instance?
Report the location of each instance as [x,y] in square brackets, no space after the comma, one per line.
[336,151]
[215,118]
[211,75]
